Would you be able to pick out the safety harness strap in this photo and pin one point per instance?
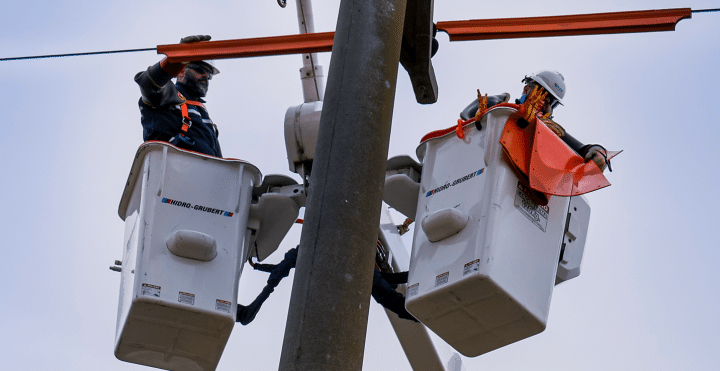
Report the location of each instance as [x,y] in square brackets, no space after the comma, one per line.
[195,103]
[186,121]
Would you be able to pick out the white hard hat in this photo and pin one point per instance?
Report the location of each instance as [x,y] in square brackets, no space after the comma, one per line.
[209,64]
[552,81]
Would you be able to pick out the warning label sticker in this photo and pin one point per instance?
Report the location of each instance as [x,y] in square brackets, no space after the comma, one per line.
[186,298]
[473,266]
[442,279]
[150,290]
[412,290]
[223,305]
[538,215]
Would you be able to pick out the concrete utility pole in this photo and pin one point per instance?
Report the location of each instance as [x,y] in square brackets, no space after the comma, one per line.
[327,319]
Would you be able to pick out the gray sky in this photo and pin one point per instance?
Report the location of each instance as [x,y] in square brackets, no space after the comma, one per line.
[647,295]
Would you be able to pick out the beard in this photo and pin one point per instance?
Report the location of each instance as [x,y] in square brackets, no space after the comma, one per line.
[195,88]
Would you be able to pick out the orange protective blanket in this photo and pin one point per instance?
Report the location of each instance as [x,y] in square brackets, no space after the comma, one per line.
[551,166]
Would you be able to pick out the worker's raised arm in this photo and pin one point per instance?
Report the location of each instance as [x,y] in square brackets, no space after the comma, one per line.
[153,82]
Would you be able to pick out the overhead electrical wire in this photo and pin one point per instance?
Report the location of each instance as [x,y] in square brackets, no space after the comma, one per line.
[150,49]
[706,10]
[76,54]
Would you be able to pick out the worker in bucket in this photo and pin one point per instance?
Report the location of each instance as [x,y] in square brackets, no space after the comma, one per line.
[553,83]
[175,112]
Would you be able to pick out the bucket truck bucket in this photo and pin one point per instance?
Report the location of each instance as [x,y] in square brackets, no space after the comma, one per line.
[485,254]
[186,241]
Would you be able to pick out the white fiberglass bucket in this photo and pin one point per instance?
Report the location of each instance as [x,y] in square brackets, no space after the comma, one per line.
[484,255]
[185,244]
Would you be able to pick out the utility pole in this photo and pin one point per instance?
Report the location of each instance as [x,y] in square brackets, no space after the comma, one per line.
[327,319]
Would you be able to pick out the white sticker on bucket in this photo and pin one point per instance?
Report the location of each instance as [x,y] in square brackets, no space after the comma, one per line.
[412,290]
[223,305]
[186,298]
[473,266]
[150,290]
[442,279]
[538,215]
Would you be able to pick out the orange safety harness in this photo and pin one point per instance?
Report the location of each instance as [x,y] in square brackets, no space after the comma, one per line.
[186,121]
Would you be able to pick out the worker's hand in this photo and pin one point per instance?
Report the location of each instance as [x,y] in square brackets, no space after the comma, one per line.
[174,69]
[195,38]
[598,155]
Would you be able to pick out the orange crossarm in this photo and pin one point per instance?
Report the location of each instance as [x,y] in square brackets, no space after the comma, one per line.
[566,25]
[243,48]
[479,29]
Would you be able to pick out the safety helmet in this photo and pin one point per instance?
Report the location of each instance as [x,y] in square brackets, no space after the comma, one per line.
[552,81]
[209,64]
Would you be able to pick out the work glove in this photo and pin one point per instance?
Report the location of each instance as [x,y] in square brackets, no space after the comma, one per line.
[194,39]
[174,69]
[598,154]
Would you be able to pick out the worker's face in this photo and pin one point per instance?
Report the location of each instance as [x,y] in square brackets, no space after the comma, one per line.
[548,104]
[196,77]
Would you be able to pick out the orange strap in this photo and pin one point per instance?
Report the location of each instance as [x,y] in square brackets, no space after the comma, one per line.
[459,129]
[195,103]
[186,121]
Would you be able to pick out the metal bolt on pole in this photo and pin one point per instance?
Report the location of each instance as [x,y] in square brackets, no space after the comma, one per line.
[327,319]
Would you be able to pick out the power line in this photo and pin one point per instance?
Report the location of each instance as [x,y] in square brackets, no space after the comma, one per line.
[76,54]
[706,10]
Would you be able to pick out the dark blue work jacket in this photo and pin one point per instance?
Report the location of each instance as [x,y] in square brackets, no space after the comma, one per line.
[161,114]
